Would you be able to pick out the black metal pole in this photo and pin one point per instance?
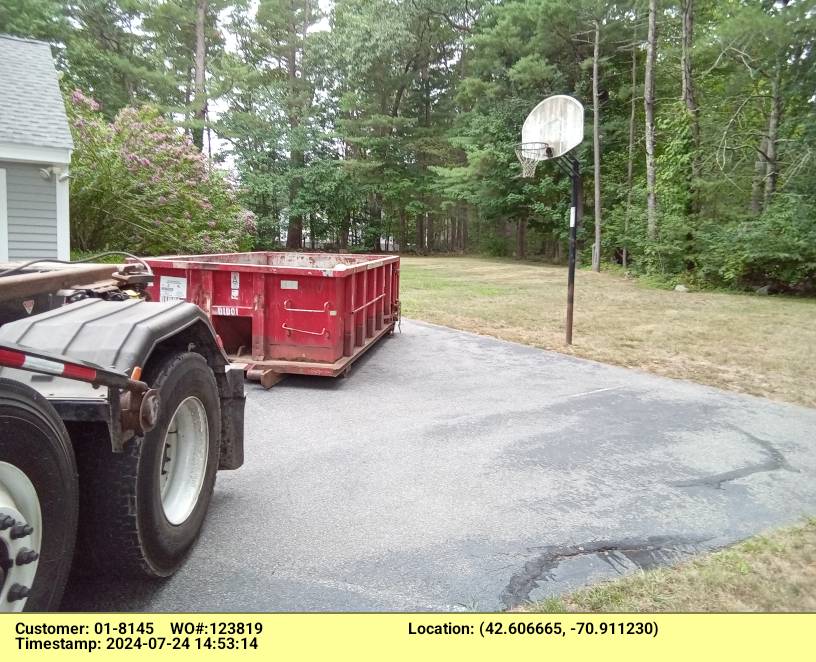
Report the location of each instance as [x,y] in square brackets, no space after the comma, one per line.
[575,219]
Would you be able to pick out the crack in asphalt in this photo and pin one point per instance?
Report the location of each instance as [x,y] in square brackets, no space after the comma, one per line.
[644,554]
[775,461]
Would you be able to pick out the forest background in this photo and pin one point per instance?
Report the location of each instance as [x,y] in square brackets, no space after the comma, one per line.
[382,125]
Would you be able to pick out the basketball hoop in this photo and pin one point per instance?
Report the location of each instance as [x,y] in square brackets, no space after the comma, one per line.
[529,154]
[551,130]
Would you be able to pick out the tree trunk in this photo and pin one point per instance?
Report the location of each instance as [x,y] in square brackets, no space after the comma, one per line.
[426,95]
[649,107]
[630,163]
[420,234]
[200,114]
[689,99]
[508,234]
[760,173]
[345,224]
[596,147]
[294,233]
[773,136]
[375,219]
[188,98]
[403,230]
[521,239]
[427,237]
[462,234]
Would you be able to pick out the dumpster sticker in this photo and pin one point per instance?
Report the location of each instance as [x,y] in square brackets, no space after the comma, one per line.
[231,311]
[289,284]
[172,288]
[235,284]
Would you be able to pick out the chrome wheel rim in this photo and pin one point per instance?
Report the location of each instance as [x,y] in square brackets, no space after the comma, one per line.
[20,536]
[184,460]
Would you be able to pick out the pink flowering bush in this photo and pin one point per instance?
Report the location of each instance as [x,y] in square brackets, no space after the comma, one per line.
[138,184]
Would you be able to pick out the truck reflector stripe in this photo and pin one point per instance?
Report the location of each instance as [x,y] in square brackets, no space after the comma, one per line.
[42,365]
[79,372]
[13,359]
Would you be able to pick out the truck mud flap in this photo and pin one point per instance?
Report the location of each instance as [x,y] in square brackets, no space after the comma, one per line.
[231,387]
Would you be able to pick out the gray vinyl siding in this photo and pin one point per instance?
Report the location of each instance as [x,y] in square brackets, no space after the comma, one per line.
[32,211]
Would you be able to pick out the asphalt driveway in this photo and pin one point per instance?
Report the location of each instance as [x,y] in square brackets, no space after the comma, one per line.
[452,471]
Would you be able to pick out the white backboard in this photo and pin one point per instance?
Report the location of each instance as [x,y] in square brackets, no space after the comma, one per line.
[557,121]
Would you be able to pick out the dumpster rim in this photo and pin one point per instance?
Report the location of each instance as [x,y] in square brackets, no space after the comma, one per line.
[183,262]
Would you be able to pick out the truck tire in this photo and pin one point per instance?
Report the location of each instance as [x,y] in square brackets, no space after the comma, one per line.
[145,507]
[38,501]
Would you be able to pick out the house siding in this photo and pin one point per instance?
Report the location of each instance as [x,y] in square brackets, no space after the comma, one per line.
[32,211]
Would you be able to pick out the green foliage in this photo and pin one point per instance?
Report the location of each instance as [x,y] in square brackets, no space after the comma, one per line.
[494,245]
[393,123]
[39,19]
[139,185]
[777,249]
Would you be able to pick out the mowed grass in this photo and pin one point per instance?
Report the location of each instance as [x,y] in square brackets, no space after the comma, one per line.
[775,572]
[763,345]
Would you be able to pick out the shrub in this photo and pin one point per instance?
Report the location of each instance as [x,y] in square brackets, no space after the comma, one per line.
[139,184]
[777,248]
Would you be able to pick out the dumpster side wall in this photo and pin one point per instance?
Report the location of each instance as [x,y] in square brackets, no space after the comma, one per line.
[268,313]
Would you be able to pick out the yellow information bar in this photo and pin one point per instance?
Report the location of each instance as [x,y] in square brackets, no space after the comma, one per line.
[415,637]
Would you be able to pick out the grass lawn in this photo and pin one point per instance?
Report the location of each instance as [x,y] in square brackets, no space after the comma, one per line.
[763,345]
[775,572]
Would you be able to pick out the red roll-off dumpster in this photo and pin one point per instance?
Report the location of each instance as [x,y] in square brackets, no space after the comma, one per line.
[302,313]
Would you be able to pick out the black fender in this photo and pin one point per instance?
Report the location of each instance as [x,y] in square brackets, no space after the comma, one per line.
[123,335]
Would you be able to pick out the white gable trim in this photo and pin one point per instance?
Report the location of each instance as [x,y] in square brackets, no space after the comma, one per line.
[34,153]
[3,218]
[63,215]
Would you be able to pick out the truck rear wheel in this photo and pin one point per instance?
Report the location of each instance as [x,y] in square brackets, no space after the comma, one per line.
[146,506]
[38,501]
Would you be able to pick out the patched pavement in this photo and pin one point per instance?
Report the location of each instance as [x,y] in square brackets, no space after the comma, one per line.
[452,471]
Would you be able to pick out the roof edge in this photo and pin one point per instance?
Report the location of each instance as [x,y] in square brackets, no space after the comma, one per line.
[25,40]
[25,153]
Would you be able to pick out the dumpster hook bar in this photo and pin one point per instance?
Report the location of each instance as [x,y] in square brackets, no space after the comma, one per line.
[326,307]
[368,303]
[311,333]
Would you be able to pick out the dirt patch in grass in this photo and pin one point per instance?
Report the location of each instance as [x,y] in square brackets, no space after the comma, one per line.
[775,572]
[761,345]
